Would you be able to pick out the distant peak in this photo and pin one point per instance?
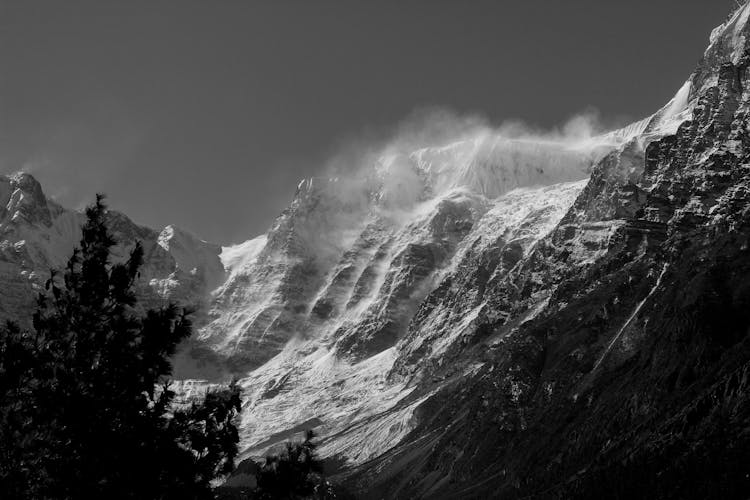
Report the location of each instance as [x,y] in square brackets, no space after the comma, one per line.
[728,43]
[25,181]
[172,233]
[734,25]
[23,199]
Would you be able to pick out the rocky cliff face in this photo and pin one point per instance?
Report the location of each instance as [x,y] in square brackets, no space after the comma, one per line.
[495,317]
[616,362]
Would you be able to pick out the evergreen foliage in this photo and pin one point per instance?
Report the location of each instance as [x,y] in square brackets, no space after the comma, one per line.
[85,408]
[296,473]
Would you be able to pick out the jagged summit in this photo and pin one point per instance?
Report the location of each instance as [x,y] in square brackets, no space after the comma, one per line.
[728,43]
[193,255]
[22,199]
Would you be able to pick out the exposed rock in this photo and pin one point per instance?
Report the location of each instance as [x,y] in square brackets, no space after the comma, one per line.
[617,367]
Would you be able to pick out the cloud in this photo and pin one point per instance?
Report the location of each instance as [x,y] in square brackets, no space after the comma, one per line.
[470,136]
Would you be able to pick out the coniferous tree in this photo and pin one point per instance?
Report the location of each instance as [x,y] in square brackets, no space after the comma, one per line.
[296,473]
[85,408]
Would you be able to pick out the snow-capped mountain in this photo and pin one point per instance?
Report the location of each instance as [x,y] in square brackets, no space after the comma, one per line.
[509,316]
[37,235]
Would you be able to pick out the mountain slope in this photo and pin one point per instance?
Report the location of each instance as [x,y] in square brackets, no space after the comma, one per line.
[493,317]
[630,378]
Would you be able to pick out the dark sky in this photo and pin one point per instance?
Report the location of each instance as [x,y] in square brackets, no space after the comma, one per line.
[205,114]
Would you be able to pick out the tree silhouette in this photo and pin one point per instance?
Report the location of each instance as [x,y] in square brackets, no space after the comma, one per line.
[295,473]
[85,407]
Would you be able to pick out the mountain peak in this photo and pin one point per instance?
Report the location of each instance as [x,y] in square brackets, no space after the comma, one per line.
[728,43]
[192,253]
[731,33]
[22,199]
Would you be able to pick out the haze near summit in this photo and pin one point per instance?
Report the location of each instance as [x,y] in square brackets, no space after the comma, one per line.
[206,116]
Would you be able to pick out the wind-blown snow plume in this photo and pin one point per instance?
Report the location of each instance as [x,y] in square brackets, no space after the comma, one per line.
[435,150]
[335,287]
